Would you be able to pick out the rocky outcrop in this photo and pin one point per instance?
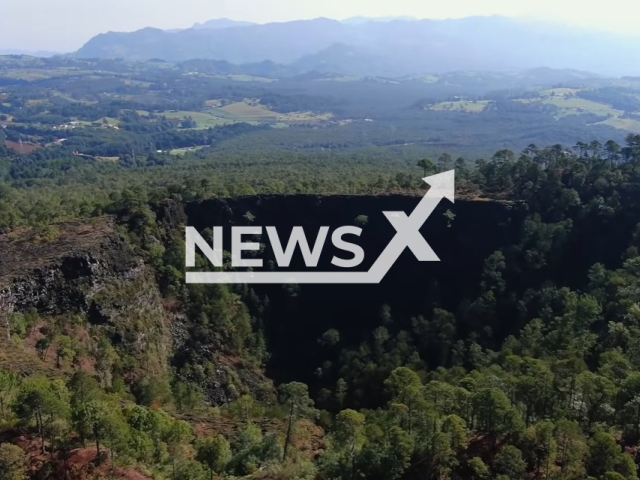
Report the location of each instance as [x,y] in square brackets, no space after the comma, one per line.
[87,269]
[62,274]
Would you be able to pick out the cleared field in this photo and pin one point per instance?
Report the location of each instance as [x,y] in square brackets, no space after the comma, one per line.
[305,117]
[71,99]
[248,109]
[577,106]
[182,151]
[22,148]
[425,78]
[461,106]
[32,74]
[246,78]
[109,121]
[139,83]
[251,110]
[559,92]
[627,124]
[104,121]
[569,104]
[203,120]
[35,103]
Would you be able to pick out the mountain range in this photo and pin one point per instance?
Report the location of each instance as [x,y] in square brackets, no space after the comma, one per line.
[389,47]
[33,53]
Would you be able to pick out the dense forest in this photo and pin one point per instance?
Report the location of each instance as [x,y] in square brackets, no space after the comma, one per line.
[530,372]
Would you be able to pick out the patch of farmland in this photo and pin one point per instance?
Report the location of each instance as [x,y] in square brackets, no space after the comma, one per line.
[248,109]
[203,120]
[33,74]
[182,151]
[22,148]
[245,78]
[559,92]
[578,106]
[468,106]
[628,124]
[251,110]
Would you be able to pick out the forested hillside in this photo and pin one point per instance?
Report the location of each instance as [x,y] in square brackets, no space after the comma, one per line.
[516,357]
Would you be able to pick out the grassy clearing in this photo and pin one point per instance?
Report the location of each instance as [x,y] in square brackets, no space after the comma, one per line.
[33,74]
[559,92]
[73,100]
[251,110]
[138,83]
[467,106]
[29,75]
[104,121]
[246,78]
[203,120]
[23,148]
[627,124]
[425,78]
[569,104]
[35,103]
[109,121]
[308,117]
[182,151]
[577,106]
[248,109]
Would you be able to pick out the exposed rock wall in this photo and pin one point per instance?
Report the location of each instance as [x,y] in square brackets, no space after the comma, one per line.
[87,268]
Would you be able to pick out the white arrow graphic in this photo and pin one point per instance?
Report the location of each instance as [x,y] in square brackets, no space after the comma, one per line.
[407,236]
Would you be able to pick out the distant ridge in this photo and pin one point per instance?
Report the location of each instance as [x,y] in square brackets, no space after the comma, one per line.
[220,23]
[389,46]
[31,53]
[360,20]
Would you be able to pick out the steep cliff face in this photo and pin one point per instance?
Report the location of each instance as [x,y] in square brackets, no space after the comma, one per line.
[85,269]
[62,273]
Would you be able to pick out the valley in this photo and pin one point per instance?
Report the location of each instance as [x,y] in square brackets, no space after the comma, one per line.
[106,108]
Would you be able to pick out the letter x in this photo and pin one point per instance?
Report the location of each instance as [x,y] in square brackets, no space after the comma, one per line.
[408,233]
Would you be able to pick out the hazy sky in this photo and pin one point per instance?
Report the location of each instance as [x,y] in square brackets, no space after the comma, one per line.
[64,25]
